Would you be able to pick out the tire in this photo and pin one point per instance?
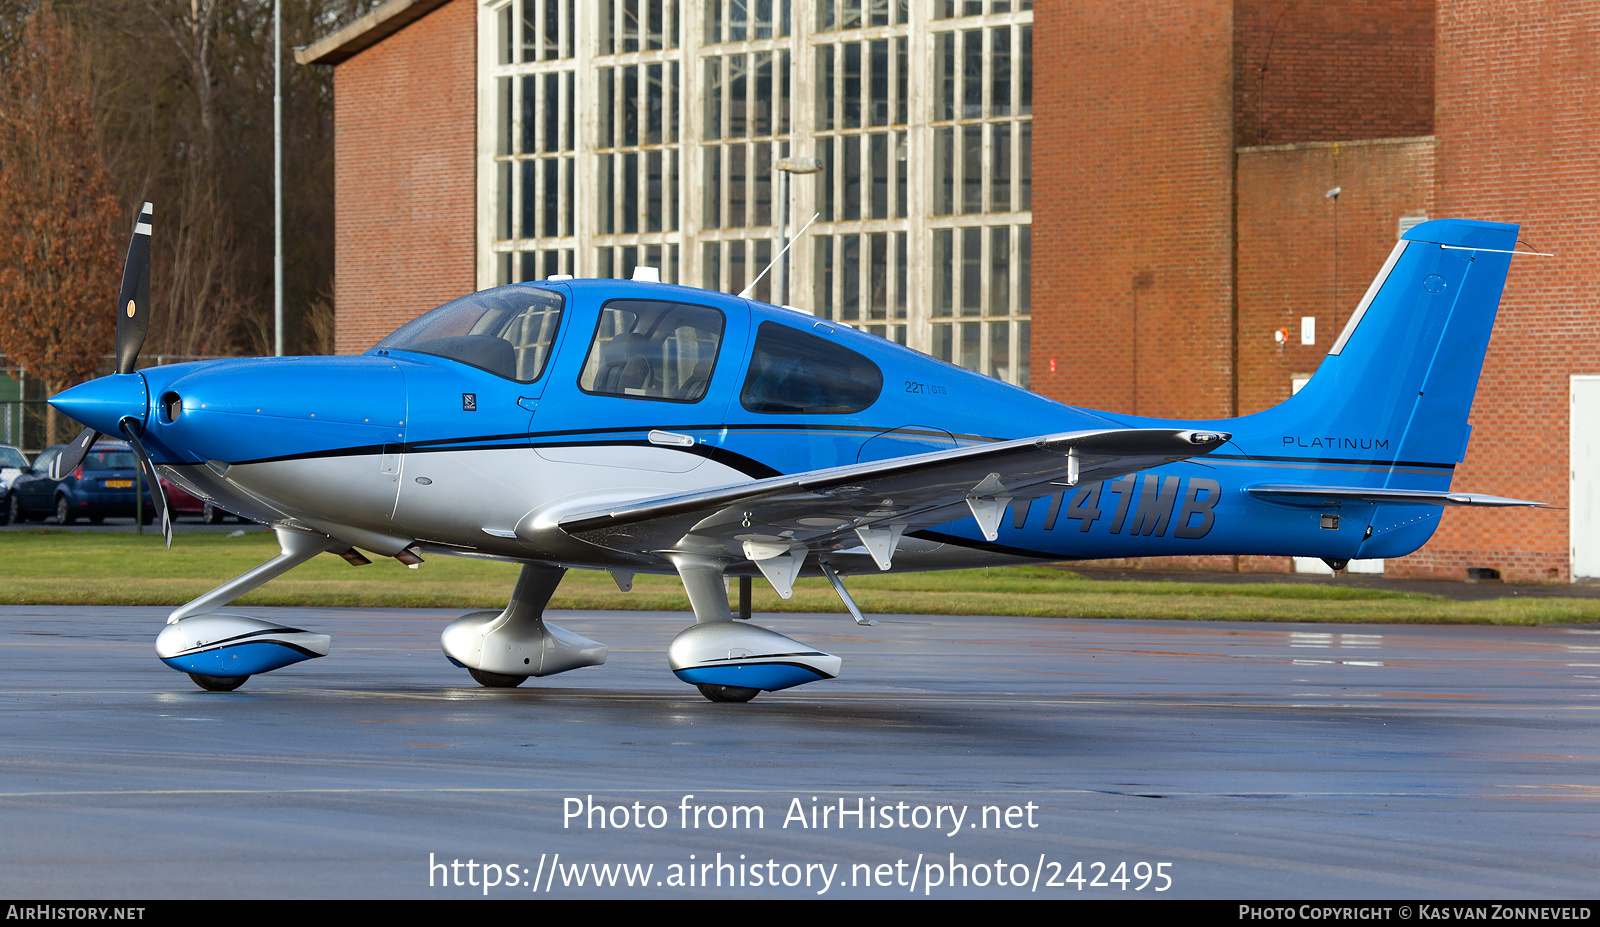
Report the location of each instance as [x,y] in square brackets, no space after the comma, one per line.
[14,510]
[217,683]
[64,513]
[496,680]
[8,514]
[212,515]
[727,693]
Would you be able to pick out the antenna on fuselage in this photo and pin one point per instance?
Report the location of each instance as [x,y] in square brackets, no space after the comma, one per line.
[745,293]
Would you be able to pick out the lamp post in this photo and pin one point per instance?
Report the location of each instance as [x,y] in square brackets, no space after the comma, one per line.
[277,179]
[787,166]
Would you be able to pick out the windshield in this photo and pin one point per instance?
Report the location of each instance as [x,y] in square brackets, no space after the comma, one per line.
[508,331]
[11,458]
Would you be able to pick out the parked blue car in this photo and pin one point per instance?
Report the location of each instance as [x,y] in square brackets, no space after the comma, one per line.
[102,486]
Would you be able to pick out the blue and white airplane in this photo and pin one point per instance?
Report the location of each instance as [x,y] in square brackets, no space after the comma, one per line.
[637,427]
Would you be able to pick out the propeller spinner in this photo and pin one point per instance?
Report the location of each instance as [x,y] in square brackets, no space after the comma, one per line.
[114,401]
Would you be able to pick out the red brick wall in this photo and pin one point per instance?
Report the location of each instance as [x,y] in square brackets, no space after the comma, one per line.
[1132,168]
[1287,266]
[1517,93]
[1322,72]
[405,116]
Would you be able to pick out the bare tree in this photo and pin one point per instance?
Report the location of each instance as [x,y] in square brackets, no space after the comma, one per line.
[58,213]
[196,279]
[187,112]
[181,92]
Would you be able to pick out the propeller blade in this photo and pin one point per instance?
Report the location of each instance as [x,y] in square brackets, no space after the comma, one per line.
[133,305]
[158,496]
[73,454]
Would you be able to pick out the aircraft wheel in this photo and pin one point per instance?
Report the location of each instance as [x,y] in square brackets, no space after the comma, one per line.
[496,680]
[726,693]
[217,683]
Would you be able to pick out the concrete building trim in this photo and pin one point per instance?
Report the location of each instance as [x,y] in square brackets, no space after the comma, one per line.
[365,32]
[1354,143]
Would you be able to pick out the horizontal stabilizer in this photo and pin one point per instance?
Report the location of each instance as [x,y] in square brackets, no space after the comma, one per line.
[1332,495]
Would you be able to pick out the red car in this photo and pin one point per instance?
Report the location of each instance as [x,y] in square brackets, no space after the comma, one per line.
[183,504]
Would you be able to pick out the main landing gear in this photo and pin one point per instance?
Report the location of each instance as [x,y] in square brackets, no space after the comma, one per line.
[502,649]
[732,661]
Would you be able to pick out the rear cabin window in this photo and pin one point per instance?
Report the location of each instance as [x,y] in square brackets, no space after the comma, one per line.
[110,460]
[645,349]
[793,372]
[508,331]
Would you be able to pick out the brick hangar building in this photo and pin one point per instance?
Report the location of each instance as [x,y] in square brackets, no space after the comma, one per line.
[1209,186]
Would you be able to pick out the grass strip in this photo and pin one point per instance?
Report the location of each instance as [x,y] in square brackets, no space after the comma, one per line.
[98,568]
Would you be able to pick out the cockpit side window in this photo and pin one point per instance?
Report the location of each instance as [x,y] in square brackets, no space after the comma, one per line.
[644,349]
[509,331]
[796,373]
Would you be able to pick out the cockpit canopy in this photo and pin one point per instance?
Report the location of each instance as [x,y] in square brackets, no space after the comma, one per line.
[648,349]
[507,331]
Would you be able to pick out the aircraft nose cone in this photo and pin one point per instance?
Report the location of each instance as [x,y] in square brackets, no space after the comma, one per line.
[101,404]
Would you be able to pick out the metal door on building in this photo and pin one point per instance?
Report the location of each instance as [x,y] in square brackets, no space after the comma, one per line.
[1584,492]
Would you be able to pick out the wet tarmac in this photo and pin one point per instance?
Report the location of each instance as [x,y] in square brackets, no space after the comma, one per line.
[955,757]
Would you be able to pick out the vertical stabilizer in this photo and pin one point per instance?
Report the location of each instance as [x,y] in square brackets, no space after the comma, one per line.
[1398,384]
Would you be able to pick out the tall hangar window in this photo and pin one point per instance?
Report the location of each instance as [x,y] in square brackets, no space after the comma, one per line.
[669,122]
[638,160]
[535,145]
[746,64]
[982,189]
[862,117]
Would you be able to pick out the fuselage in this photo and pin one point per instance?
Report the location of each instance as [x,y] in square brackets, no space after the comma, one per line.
[423,441]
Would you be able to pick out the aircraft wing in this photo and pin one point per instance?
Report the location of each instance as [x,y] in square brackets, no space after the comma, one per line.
[779,519]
